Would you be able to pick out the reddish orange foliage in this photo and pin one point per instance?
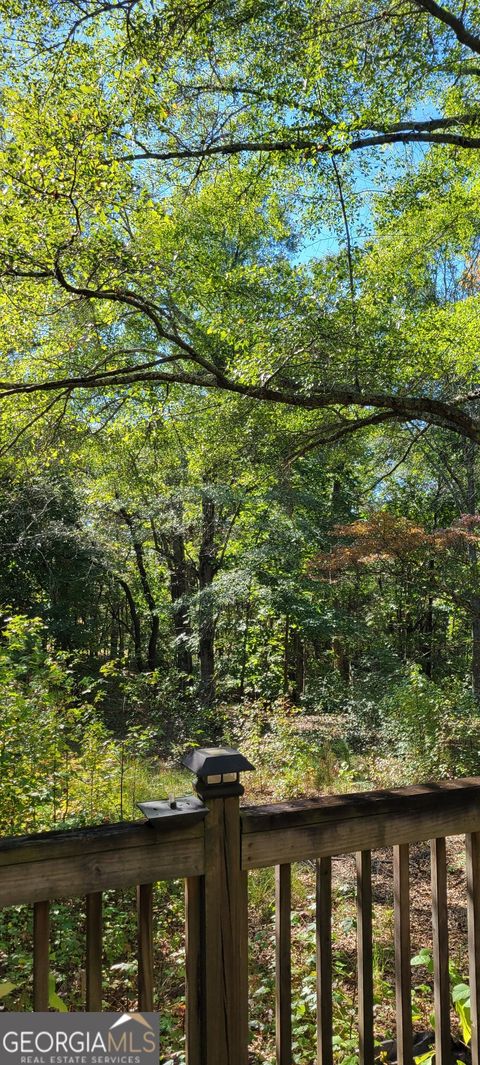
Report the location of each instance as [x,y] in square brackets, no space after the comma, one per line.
[387,537]
[470,279]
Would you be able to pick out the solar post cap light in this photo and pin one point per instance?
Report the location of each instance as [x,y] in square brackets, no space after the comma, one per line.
[217,770]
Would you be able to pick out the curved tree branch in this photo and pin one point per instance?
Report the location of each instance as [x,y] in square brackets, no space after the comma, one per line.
[411,408]
[442,14]
[311,146]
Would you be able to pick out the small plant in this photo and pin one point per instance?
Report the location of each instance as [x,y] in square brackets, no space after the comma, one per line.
[460,995]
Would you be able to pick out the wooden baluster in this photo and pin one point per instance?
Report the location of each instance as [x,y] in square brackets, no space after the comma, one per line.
[41,935]
[94,952]
[324,961]
[403,983]
[283,964]
[441,986]
[145,946]
[194,969]
[473,889]
[364,955]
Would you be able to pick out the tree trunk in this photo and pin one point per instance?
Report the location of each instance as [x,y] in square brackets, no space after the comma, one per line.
[206,571]
[243,663]
[476,647]
[171,549]
[122,626]
[286,642]
[427,657]
[341,659]
[298,666]
[114,632]
[293,662]
[135,620]
[181,619]
[147,591]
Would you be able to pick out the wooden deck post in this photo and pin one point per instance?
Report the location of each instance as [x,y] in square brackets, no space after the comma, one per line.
[218,918]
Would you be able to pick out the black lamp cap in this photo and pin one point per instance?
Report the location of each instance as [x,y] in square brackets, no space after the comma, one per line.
[214,761]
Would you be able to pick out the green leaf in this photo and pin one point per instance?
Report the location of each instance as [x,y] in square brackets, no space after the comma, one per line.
[54,1000]
[6,988]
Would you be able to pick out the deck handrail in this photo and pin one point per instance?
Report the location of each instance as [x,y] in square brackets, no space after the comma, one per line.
[212,849]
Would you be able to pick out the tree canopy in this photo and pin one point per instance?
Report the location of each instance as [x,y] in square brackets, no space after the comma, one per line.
[167,169]
[239,291]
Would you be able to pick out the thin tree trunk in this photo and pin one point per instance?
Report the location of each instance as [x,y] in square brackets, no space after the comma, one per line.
[114,632]
[147,591]
[293,662]
[286,643]
[298,666]
[243,664]
[206,572]
[428,640]
[476,646]
[181,619]
[135,620]
[172,551]
[121,633]
[341,659]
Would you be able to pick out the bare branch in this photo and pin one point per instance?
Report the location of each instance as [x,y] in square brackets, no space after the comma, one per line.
[311,145]
[400,462]
[33,421]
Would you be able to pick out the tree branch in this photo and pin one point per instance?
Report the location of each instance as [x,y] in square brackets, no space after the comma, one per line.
[310,145]
[442,14]
[354,425]
[406,453]
[411,408]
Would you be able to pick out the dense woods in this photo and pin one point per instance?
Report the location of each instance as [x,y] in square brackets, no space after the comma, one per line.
[238,325]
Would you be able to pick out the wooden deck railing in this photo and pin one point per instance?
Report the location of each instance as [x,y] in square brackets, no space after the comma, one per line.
[213,849]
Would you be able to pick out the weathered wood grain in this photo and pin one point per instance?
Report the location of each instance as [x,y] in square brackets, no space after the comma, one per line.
[441,983]
[341,824]
[44,846]
[283,964]
[365,957]
[194,970]
[145,946]
[323,909]
[94,951]
[41,936]
[67,874]
[301,812]
[473,893]
[403,983]
[225,916]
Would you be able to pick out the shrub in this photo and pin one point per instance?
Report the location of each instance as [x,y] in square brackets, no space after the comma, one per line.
[437,726]
[58,761]
[289,762]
